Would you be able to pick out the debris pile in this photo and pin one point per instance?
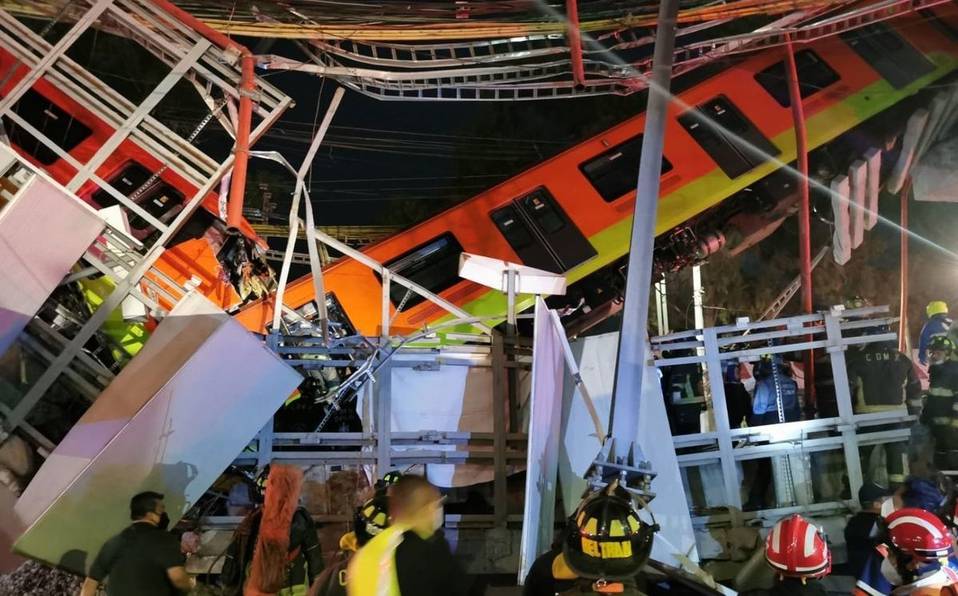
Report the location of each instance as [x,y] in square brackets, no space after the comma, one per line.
[36,579]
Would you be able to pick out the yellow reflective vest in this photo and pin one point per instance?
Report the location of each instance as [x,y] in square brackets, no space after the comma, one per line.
[372,570]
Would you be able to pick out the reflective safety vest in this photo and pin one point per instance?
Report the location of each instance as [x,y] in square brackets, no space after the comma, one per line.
[372,571]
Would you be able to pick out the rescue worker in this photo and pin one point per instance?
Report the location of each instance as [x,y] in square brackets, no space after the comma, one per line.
[142,559]
[550,574]
[919,545]
[410,557]
[938,323]
[245,560]
[883,379]
[915,493]
[773,383]
[774,388]
[370,519]
[939,412]
[863,532]
[798,554]
[605,546]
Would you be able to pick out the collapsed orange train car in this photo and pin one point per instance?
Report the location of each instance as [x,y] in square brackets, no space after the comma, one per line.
[572,213]
[192,253]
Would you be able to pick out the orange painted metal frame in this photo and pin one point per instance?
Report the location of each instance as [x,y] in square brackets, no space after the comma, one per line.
[359,291]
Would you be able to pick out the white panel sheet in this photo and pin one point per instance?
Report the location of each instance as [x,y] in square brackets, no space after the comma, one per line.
[873,160]
[204,390]
[596,357]
[542,455]
[43,232]
[858,182]
[841,237]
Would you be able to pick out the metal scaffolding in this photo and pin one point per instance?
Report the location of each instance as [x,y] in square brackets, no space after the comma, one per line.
[211,68]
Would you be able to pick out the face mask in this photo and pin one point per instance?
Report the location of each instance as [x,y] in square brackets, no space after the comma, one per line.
[164,522]
[891,573]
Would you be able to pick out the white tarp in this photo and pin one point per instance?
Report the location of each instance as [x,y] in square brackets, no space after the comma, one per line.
[463,404]
[43,232]
[858,181]
[548,369]
[841,237]
[596,356]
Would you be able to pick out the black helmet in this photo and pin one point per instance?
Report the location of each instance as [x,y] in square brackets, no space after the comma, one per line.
[372,517]
[389,479]
[606,539]
[941,342]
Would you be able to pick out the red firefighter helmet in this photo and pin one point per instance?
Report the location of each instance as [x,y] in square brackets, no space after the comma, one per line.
[919,533]
[796,548]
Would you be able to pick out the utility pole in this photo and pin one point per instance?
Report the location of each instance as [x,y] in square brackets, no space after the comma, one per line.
[620,454]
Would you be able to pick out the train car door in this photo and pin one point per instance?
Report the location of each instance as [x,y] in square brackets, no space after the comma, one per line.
[541,233]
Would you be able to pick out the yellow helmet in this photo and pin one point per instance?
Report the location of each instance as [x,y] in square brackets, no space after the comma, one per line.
[936,307]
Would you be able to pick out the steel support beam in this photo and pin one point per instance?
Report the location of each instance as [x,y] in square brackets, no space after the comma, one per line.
[134,120]
[383,415]
[500,380]
[574,37]
[56,52]
[732,487]
[903,336]
[631,360]
[804,209]
[836,352]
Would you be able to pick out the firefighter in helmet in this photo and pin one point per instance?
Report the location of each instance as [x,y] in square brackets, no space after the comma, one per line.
[798,553]
[938,323]
[919,545]
[605,545]
[371,518]
[938,412]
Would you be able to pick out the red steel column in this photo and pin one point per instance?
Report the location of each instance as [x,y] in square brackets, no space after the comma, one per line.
[234,210]
[575,40]
[804,222]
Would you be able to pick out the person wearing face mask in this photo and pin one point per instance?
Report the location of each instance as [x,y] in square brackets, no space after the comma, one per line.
[919,545]
[410,557]
[938,323]
[142,560]
[915,493]
[938,412]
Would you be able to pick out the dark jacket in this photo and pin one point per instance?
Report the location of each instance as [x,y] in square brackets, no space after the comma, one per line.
[936,325]
[306,555]
[862,535]
[881,376]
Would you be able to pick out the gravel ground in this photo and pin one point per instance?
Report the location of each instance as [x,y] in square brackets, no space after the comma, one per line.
[37,579]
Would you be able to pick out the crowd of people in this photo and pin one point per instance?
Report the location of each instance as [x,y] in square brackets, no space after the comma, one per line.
[901,542]
[396,547]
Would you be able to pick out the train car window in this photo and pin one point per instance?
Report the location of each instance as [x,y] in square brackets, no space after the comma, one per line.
[518,233]
[130,178]
[50,119]
[896,60]
[614,173]
[159,199]
[540,232]
[813,76]
[944,26]
[434,266]
[734,142]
